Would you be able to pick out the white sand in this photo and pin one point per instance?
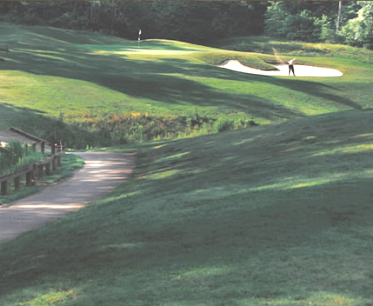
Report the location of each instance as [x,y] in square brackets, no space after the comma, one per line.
[283,70]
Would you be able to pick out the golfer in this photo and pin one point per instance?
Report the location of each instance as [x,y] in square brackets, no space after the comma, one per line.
[291,66]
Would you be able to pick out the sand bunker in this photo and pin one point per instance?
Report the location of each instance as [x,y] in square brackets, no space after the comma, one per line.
[283,70]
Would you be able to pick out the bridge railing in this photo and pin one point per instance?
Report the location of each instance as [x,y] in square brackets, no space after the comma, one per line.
[35,171]
[32,173]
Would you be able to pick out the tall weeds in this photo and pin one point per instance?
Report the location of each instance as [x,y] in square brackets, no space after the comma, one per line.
[14,156]
[92,130]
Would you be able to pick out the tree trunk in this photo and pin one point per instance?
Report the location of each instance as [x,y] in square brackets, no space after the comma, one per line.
[339,16]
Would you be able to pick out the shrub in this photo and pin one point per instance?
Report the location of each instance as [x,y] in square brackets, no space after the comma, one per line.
[13,156]
[222,125]
[90,130]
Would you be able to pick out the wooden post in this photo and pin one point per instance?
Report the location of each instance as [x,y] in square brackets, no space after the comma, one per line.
[40,172]
[4,187]
[17,183]
[48,168]
[54,166]
[53,149]
[29,178]
[42,147]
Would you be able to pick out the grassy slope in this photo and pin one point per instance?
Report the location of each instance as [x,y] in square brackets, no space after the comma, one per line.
[72,72]
[273,215]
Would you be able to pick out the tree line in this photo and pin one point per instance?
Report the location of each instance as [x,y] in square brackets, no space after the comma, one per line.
[349,22]
[204,21]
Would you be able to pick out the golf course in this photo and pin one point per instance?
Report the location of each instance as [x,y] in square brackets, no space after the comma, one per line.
[248,189]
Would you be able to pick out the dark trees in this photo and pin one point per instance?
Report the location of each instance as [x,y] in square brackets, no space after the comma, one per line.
[193,21]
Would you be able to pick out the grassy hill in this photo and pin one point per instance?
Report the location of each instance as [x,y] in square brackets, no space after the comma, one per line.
[77,76]
[272,215]
[277,214]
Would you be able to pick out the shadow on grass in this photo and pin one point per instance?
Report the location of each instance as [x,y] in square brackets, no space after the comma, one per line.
[166,80]
[50,129]
[21,109]
[269,213]
[21,117]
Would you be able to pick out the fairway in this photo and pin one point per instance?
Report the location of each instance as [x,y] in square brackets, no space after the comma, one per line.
[275,214]
[248,189]
[77,75]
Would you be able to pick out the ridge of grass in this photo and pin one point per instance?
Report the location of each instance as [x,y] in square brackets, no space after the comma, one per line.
[268,45]
[253,60]
[65,73]
[273,215]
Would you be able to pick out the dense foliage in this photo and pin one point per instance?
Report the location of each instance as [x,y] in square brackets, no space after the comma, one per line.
[114,129]
[202,21]
[317,21]
[14,156]
[359,30]
[182,20]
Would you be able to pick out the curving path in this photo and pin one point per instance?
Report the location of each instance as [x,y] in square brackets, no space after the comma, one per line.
[101,174]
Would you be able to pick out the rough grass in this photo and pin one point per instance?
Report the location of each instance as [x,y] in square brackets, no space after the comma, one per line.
[14,157]
[273,215]
[268,45]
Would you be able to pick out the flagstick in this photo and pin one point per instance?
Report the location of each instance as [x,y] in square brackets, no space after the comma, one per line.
[138,40]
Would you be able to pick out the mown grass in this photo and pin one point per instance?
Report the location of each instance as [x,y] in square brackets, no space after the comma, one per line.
[273,215]
[69,164]
[67,74]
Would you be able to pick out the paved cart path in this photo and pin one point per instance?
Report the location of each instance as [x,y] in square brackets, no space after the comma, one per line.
[101,174]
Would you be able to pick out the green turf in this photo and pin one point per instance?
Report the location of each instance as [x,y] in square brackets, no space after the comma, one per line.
[53,72]
[272,215]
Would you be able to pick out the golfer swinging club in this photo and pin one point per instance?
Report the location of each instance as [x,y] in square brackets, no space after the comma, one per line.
[291,66]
